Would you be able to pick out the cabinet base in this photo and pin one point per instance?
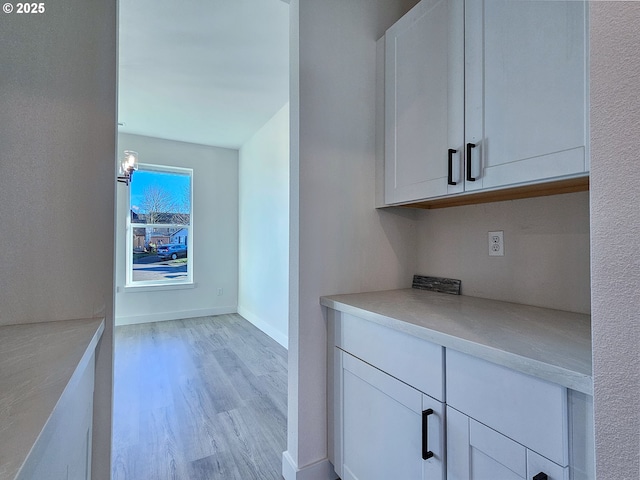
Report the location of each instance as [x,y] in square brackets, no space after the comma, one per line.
[571,185]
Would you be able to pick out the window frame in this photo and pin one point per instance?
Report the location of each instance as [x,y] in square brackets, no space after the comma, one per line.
[146,285]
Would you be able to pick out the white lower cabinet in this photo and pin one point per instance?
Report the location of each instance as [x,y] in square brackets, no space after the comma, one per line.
[396,412]
[386,417]
[503,424]
[387,429]
[63,450]
[476,452]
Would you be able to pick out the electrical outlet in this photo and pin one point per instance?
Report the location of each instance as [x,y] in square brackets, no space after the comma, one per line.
[220,292]
[496,244]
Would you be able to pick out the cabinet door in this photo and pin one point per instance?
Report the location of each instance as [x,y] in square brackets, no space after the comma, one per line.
[477,452]
[63,449]
[526,104]
[379,426]
[424,101]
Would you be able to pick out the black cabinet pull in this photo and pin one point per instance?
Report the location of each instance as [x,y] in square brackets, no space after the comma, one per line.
[470,146]
[426,453]
[450,174]
[540,476]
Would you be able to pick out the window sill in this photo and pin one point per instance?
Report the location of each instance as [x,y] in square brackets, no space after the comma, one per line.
[156,287]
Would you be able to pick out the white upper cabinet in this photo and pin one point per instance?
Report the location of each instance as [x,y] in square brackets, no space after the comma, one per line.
[484,94]
[424,100]
[525,90]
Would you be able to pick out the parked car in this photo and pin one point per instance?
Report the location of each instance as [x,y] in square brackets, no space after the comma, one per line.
[172,251]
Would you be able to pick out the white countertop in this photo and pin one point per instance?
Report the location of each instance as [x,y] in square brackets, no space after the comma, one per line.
[549,344]
[37,362]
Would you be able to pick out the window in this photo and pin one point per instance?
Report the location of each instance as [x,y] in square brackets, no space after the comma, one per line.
[159,226]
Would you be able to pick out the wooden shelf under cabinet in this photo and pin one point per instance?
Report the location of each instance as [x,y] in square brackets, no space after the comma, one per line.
[572,185]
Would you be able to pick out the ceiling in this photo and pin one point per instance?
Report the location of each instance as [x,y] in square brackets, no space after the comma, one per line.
[202,71]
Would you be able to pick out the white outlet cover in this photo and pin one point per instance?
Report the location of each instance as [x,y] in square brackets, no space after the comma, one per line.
[496,244]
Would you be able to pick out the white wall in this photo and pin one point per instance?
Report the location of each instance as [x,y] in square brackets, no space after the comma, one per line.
[339,242]
[263,290]
[615,237]
[215,234]
[57,150]
[546,253]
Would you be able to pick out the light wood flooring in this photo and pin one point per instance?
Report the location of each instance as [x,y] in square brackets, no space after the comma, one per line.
[202,398]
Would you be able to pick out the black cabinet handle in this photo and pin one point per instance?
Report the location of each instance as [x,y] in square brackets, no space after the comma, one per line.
[450,174]
[470,146]
[540,476]
[426,453]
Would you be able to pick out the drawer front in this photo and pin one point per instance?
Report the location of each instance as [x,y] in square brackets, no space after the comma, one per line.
[412,360]
[528,410]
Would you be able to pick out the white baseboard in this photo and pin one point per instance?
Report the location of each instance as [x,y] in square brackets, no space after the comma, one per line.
[164,316]
[322,470]
[267,328]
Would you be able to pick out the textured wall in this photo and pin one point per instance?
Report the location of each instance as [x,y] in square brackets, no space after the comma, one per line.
[546,253]
[615,236]
[263,282]
[57,94]
[57,169]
